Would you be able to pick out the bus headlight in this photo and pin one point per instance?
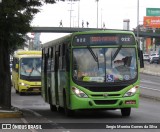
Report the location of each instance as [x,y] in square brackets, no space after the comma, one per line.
[131,92]
[23,84]
[79,93]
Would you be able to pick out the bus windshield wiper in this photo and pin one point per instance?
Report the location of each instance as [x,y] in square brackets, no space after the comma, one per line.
[31,71]
[33,68]
[116,53]
[95,57]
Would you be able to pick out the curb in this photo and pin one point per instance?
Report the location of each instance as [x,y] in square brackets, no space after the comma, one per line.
[13,113]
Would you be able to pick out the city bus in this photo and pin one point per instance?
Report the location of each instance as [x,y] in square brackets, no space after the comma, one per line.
[26,71]
[92,70]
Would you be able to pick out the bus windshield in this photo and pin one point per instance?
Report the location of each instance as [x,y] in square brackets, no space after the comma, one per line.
[104,64]
[30,67]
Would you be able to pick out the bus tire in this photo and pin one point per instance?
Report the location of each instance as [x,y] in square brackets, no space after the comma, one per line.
[67,111]
[125,111]
[60,109]
[52,107]
[16,91]
[21,93]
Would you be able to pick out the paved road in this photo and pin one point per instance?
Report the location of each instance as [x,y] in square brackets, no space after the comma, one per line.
[150,86]
[150,81]
[37,111]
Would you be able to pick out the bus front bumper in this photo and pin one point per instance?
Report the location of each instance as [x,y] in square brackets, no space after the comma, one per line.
[104,103]
[24,89]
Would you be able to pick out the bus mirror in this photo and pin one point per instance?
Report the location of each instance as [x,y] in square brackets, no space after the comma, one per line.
[141,59]
[17,66]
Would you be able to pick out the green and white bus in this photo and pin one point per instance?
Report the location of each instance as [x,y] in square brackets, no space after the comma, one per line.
[92,70]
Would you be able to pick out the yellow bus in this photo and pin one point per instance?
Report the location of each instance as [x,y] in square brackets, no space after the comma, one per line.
[26,72]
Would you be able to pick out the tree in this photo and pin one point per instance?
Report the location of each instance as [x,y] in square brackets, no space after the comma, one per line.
[15,19]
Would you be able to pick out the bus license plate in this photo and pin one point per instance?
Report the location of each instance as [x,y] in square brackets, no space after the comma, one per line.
[36,89]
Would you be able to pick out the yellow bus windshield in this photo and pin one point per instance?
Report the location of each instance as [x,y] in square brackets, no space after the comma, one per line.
[30,67]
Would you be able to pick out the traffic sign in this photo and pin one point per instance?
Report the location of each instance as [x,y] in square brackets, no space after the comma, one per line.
[152,11]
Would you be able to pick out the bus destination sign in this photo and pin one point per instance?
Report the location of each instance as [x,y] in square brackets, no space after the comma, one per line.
[103,39]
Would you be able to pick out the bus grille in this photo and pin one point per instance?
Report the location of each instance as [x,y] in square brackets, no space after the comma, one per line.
[106,88]
[108,95]
[105,102]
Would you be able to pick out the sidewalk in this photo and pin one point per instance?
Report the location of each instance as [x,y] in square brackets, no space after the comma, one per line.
[13,113]
[152,69]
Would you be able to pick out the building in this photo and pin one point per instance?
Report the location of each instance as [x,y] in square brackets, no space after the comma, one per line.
[126,24]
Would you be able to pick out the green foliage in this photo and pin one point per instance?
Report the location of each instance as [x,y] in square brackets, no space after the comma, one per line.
[15,20]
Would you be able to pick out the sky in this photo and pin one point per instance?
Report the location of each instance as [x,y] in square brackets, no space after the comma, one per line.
[110,12]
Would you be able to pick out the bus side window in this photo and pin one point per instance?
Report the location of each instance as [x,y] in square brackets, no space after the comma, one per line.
[67,58]
[45,60]
[52,58]
[13,67]
[43,57]
[63,56]
[49,60]
[15,61]
[60,56]
[56,66]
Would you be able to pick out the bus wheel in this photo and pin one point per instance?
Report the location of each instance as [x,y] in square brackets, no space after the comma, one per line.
[16,91]
[53,107]
[60,109]
[126,111]
[67,111]
[21,93]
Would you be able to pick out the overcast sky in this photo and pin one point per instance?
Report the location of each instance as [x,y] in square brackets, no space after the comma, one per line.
[111,12]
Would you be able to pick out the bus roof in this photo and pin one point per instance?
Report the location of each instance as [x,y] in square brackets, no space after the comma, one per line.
[27,53]
[67,37]
[104,31]
[56,41]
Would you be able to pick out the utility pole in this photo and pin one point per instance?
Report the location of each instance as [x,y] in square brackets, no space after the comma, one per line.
[101,18]
[71,13]
[78,13]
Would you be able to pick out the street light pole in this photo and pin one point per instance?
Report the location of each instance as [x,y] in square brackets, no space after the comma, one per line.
[78,13]
[101,18]
[138,20]
[71,13]
[97,12]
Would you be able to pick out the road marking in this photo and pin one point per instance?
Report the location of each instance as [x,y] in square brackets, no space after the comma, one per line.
[148,81]
[35,113]
[26,122]
[150,88]
[39,115]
